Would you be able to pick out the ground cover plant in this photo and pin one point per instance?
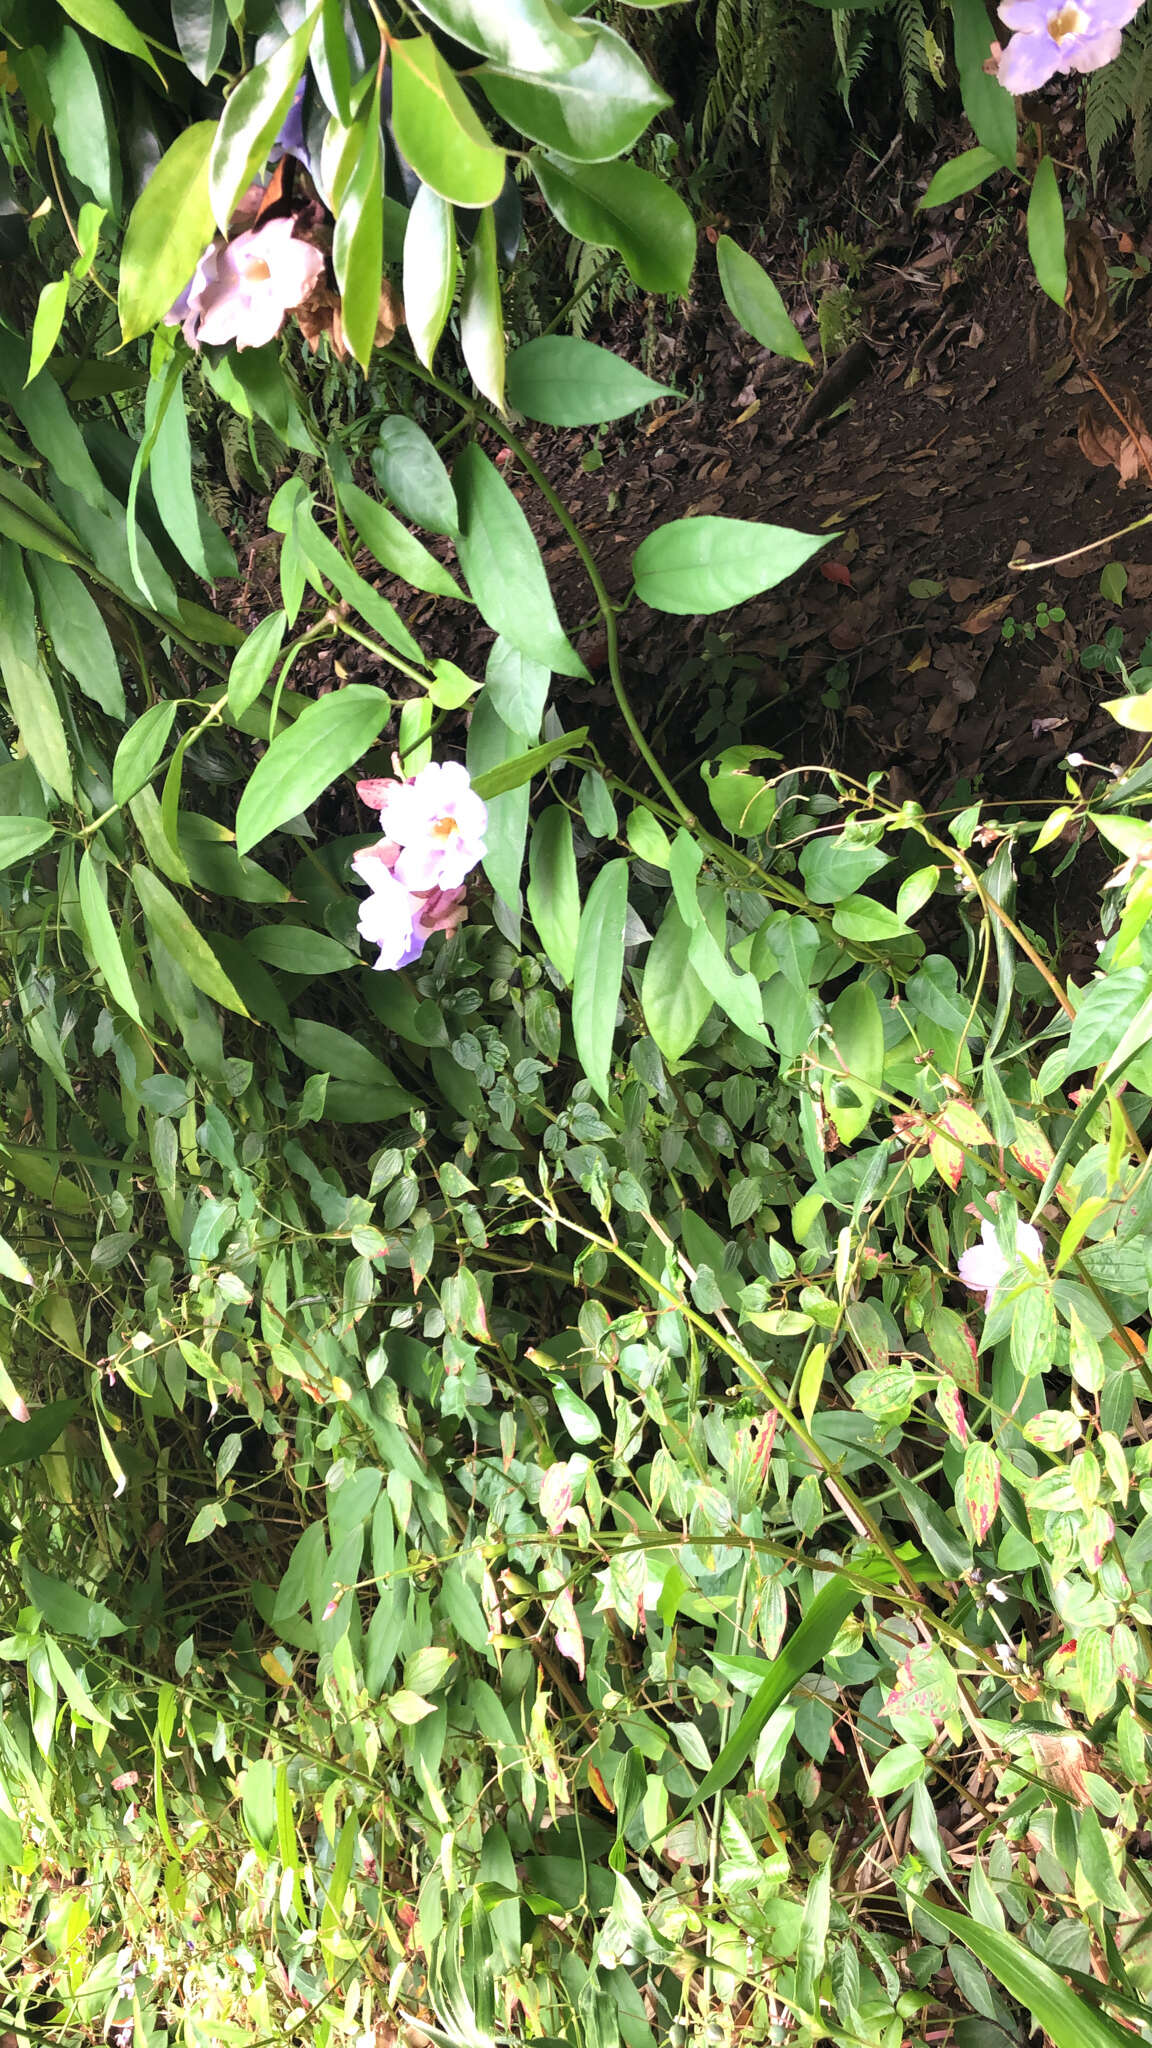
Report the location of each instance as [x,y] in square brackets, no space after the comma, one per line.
[573,1338]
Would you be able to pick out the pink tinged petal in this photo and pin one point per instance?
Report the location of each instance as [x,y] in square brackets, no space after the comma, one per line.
[372,861]
[375,791]
[1029,62]
[387,920]
[982,1267]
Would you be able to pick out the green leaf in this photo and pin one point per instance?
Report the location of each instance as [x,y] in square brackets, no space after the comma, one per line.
[81,642]
[168,230]
[990,109]
[598,971]
[109,23]
[1133,712]
[1113,582]
[675,1001]
[83,129]
[834,868]
[503,566]
[21,1442]
[517,688]
[1046,232]
[177,932]
[961,174]
[201,32]
[330,736]
[754,301]
[436,128]
[568,383]
[329,1051]
[252,119]
[1069,2020]
[43,411]
[706,564]
[807,1646]
[523,767]
[35,711]
[394,547]
[22,837]
[482,313]
[67,1612]
[895,1769]
[258,1804]
[429,270]
[324,559]
[254,663]
[868,922]
[618,206]
[140,750]
[492,743]
[553,888]
[534,33]
[358,243]
[103,943]
[50,310]
[296,949]
[591,111]
[184,520]
[857,1030]
[411,473]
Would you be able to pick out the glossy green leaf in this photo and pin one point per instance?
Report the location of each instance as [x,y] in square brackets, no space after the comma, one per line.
[201,32]
[106,20]
[618,206]
[855,1067]
[568,383]
[598,971]
[187,525]
[703,565]
[990,109]
[590,111]
[33,706]
[535,33]
[22,837]
[482,314]
[168,918]
[82,129]
[358,243]
[394,547]
[328,738]
[754,301]
[961,174]
[252,119]
[436,128]
[553,888]
[524,766]
[329,1051]
[411,473]
[74,624]
[503,566]
[103,943]
[1046,232]
[491,743]
[168,230]
[429,270]
[324,559]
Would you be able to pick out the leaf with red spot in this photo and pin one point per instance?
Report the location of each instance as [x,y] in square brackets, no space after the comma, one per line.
[947,1158]
[556,1495]
[950,1408]
[867,1326]
[1032,1150]
[981,1487]
[961,1122]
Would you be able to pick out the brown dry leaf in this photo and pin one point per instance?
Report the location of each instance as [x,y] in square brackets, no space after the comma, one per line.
[1106,446]
[1062,1760]
[961,588]
[1090,319]
[987,615]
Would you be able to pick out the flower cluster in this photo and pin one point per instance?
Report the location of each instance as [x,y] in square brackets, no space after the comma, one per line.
[433,825]
[1047,37]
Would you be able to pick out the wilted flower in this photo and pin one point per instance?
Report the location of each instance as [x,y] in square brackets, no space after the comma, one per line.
[435,819]
[983,1265]
[243,290]
[1080,35]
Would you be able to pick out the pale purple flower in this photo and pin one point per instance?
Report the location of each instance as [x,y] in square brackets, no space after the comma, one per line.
[983,1265]
[243,290]
[436,820]
[399,920]
[1047,37]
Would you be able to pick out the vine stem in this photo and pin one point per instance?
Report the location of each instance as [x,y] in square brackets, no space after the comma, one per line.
[607,609]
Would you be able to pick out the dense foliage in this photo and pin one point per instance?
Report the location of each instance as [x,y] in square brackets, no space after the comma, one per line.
[591,1486]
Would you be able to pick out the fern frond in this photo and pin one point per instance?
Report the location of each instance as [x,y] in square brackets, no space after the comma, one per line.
[910,25]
